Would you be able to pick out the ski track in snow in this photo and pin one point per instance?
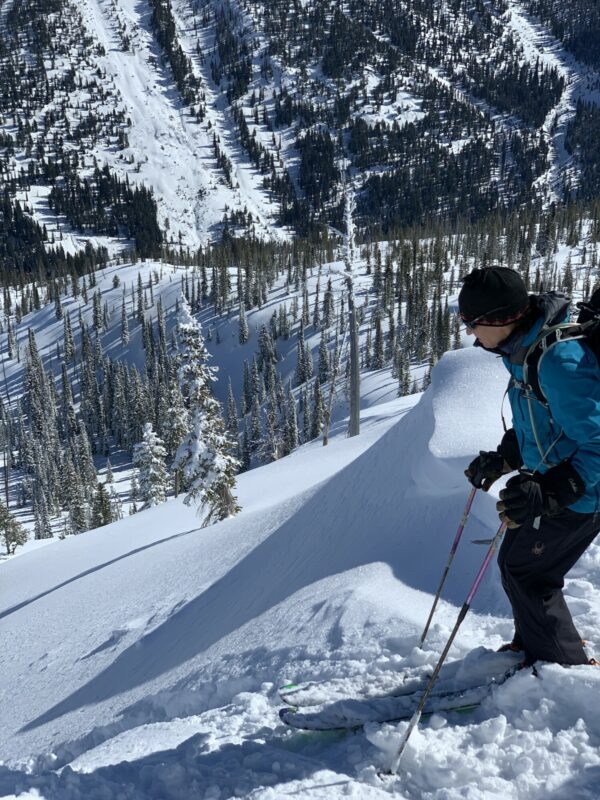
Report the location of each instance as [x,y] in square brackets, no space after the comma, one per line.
[142,660]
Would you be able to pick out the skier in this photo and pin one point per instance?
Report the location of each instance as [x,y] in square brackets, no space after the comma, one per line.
[551,507]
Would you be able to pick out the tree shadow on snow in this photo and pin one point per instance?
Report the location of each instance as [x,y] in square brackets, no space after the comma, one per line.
[8,611]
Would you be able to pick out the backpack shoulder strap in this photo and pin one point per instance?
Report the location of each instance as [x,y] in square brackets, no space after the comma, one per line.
[547,338]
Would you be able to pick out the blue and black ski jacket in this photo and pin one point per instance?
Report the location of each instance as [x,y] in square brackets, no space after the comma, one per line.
[568,426]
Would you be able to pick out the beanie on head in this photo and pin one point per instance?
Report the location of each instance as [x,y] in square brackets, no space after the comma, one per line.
[493,296]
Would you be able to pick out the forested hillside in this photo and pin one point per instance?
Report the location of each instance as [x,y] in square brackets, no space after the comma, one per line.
[166,150]
[165,124]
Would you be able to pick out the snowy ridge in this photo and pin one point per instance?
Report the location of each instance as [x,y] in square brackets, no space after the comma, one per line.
[164,686]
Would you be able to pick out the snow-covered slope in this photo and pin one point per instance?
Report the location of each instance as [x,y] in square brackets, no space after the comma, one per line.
[140,660]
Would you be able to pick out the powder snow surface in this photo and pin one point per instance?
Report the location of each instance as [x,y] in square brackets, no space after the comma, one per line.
[141,660]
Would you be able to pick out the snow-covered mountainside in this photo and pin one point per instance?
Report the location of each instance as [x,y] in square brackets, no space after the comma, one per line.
[213,161]
[245,116]
[141,660]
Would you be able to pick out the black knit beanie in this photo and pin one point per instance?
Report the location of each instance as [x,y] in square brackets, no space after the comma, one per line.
[493,296]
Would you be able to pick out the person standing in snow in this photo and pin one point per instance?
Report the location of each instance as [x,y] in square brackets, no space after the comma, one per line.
[551,507]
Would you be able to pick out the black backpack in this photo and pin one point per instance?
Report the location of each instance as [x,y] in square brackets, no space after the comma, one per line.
[587,327]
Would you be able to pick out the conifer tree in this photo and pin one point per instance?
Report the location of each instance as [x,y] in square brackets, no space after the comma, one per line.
[291,439]
[305,307]
[328,306]
[308,363]
[12,533]
[456,339]
[323,373]
[176,423]
[255,426]
[301,358]
[246,457]
[116,506]
[318,411]
[272,444]
[68,341]
[134,494]
[231,413]
[42,527]
[149,461]
[404,373]
[306,422]
[101,507]
[316,320]
[244,333]
[378,346]
[140,300]
[58,309]
[124,324]
[206,454]
[11,340]
[247,390]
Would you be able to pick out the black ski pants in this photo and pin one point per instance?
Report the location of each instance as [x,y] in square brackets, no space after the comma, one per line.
[533,563]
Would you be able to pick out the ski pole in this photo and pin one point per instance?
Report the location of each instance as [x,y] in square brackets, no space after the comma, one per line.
[453,550]
[463,613]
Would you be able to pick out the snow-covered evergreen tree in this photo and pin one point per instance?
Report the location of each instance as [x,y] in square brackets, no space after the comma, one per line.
[149,461]
[12,533]
[323,372]
[328,305]
[244,333]
[176,423]
[300,376]
[69,344]
[206,454]
[101,508]
[232,415]
[42,527]
[255,425]
[318,411]
[124,324]
[291,440]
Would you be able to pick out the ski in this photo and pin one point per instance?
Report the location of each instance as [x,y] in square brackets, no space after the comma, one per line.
[478,667]
[352,713]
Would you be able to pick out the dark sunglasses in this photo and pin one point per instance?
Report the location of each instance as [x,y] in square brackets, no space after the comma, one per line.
[471,323]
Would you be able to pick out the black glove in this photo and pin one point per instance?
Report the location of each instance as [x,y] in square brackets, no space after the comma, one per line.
[485,469]
[527,496]
[509,448]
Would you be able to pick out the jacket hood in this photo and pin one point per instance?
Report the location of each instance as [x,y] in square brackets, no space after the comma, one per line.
[552,306]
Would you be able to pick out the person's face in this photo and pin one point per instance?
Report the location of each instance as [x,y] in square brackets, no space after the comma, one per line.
[491,336]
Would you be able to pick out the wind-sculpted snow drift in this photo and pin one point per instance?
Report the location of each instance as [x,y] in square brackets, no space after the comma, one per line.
[145,655]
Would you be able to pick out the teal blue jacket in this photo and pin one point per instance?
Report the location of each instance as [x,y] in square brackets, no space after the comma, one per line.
[568,428]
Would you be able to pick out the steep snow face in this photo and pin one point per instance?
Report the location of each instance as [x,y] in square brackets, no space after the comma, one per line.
[140,660]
